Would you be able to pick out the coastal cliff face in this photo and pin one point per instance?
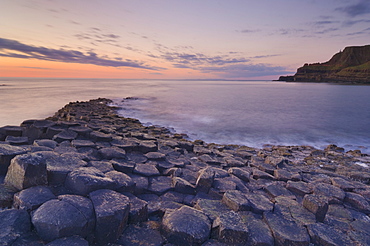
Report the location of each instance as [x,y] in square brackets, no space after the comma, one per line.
[350,65]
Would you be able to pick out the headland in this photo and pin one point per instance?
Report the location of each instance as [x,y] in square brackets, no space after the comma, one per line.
[87,176]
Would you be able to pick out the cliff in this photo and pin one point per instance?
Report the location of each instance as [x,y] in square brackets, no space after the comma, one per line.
[350,65]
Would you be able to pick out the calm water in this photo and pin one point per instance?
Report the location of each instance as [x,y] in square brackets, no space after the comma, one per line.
[249,112]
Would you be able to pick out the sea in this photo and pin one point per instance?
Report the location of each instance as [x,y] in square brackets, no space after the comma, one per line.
[251,113]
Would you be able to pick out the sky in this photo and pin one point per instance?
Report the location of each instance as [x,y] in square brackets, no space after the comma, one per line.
[175,39]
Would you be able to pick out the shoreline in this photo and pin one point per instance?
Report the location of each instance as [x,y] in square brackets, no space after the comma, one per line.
[90,159]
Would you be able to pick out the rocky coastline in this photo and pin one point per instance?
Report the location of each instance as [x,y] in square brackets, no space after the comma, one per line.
[87,176]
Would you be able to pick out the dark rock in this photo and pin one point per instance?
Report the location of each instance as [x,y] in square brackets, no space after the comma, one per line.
[136,157]
[174,196]
[335,194]
[212,208]
[259,232]
[65,135]
[55,219]
[342,183]
[259,203]
[357,201]
[160,185]
[136,235]
[84,180]
[8,152]
[282,175]
[112,211]
[16,140]
[325,235]
[28,239]
[141,183]
[240,173]
[291,209]
[103,166]
[155,156]
[146,170]
[112,153]
[234,162]
[300,188]
[186,226]
[205,179]
[6,196]
[182,186]
[82,143]
[229,228]
[69,241]
[26,171]
[286,232]
[58,166]
[224,184]
[100,137]
[275,190]
[15,131]
[46,143]
[123,166]
[13,224]
[32,198]
[318,205]
[81,130]
[236,200]
[123,182]
[258,174]
[138,211]
[147,146]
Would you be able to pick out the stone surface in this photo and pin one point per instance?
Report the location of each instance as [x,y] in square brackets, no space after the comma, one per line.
[186,226]
[259,232]
[318,205]
[236,200]
[57,218]
[33,197]
[205,179]
[136,235]
[322,234]
[259,203]
[13,224]
[69,241]
[111,211]
[229,228]
[286,232]
[84,180]
[26,171]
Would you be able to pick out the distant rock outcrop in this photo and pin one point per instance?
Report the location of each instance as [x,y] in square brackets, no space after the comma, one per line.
[350,65]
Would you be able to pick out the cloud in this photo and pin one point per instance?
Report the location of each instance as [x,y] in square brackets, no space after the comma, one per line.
[95,35]
[246,70]
[15,49]
[249,30]
[360,8]
[43,68]
[349,23]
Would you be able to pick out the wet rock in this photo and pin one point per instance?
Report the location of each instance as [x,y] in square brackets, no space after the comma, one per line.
[291,209]
[69,241]
[223,184]
[146,146]
[322,234]
[342,183]
[124,183]
[141,184]
[236,200]
[55,219]
[15,131]
[123,166]
[26,171]
[8,152]
[32,198]
[13,224]
[112,153]
[357,201]
[6,196]
[275,190]
[136,235]
[186,226]
[318,205]
[259,203]
[259,232]
[84,180]
[282,175]
[83,144]
[258,174]
[81,130]
[28,239]
[286,232]
[112,211]
[229,228]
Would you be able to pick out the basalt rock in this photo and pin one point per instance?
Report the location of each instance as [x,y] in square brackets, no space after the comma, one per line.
[118,182]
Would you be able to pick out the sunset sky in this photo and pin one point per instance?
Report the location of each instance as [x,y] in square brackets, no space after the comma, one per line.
[175,39]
